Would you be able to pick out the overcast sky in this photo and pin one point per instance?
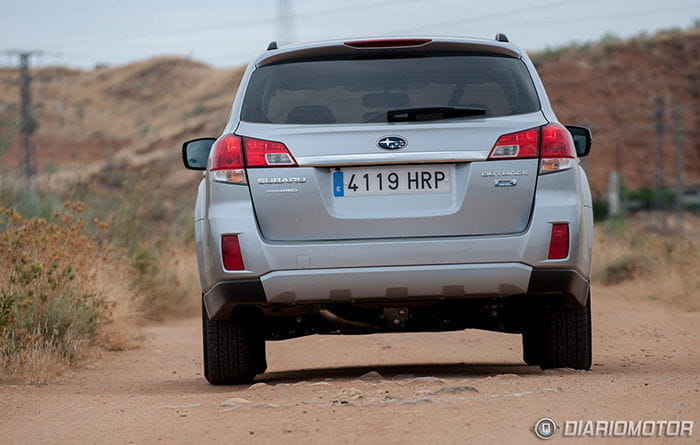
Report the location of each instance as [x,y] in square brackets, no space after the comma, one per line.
[226,33]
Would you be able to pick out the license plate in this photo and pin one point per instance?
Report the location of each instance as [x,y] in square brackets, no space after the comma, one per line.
[391,181]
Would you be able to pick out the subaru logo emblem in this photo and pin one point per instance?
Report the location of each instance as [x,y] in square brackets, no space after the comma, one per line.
[391,142]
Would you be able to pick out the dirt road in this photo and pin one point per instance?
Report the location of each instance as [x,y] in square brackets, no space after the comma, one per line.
[460,387]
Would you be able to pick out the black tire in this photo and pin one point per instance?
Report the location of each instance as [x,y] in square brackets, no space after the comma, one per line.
[561,338]
[234,349]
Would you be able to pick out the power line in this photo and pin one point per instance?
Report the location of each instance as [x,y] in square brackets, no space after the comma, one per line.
[227,25]
[491,15]
[600,16]
[468,20]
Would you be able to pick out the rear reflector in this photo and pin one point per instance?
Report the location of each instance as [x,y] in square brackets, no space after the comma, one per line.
[387,43]
[559,242]
[231,253]
[523,144]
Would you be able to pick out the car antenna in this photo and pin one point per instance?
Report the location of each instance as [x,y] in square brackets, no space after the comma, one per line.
[272,45]
[501,37]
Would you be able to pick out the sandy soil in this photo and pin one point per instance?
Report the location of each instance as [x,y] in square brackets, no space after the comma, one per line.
[459,387]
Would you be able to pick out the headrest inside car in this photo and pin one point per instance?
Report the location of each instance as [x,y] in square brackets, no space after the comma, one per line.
[311,114]
[385,100]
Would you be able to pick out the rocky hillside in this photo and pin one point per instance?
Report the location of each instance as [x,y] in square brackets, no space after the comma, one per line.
[138,114]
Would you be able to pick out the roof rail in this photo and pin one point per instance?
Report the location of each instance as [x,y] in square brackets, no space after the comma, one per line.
[272,45]
[500,37]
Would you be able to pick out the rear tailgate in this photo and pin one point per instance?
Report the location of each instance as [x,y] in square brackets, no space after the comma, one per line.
[439,184]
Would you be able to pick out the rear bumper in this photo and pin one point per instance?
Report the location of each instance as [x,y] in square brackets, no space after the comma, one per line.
[223,296]
[378,284]
[566,282]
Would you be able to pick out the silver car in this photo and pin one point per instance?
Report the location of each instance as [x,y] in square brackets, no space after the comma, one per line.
[392,185]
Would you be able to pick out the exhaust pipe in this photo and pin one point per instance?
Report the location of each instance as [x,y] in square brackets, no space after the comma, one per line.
[345,323]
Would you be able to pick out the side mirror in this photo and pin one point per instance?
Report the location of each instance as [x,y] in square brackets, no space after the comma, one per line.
[583,139]
[196,152]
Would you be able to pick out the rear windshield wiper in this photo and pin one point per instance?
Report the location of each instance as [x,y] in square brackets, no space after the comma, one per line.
[431,113]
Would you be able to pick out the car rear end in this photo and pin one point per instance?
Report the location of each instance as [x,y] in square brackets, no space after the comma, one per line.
[410,184]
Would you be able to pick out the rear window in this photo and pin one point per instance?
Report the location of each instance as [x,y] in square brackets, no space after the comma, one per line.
[359,91]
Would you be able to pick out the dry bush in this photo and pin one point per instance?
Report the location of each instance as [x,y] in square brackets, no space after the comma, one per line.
[61,294]
[166,277]
[151,228]
[640,263]
[69,287]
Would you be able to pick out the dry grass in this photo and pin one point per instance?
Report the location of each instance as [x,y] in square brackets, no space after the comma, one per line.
[62,293]
[103,279]
[167,279]
[640,263]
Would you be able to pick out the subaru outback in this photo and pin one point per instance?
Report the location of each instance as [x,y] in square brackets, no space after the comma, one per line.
[392,185]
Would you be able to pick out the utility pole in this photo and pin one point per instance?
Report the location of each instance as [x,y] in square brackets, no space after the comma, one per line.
[284,25]
[659,115]
[28,124]
[678,139]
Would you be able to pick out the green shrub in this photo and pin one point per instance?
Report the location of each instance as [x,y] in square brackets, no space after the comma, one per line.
[28,201]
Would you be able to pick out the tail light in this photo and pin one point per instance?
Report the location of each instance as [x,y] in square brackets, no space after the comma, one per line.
[260,153]
[558,151]
[523,144]
[227,160]
[232,154]
[559,242]
[231,253]
[551,142]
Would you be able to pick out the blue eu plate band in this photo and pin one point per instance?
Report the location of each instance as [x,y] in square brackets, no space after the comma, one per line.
[338,186]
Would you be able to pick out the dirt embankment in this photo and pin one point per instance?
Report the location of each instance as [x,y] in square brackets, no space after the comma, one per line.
[609,87]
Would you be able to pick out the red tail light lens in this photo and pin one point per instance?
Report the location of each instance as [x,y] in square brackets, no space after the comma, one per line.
[557,142]
[559,242]
[387,43]
[231,253]
[523,144]
[551,142]
[231,154]
[260,153]
[228,153]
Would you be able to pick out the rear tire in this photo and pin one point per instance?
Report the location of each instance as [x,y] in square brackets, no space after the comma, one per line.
[532,346]
[234,349]
[561,338]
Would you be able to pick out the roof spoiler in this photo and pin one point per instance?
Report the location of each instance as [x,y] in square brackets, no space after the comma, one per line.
[341,50]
